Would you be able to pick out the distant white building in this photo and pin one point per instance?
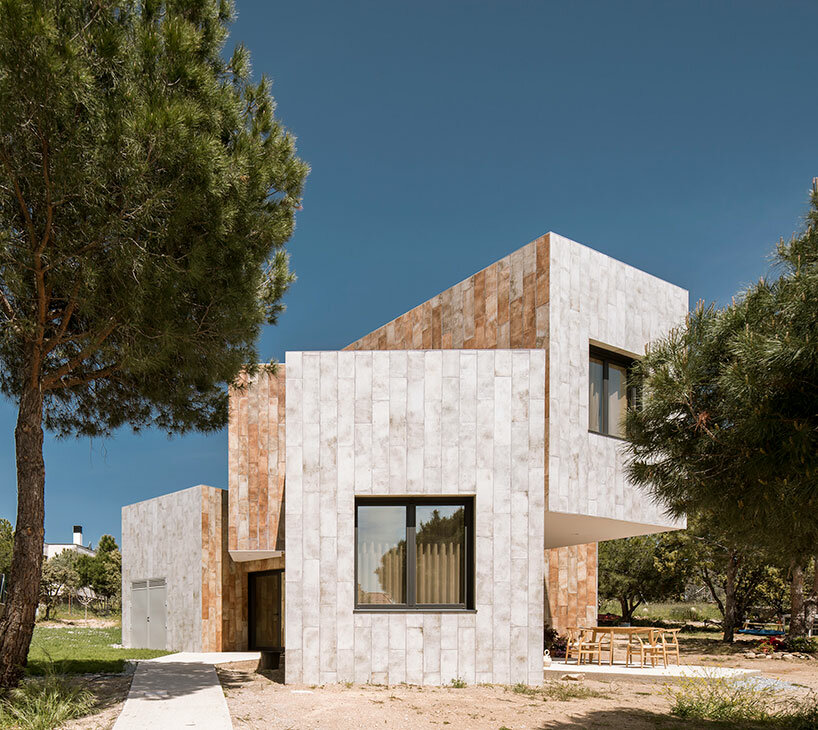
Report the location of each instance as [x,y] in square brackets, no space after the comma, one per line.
[50,549]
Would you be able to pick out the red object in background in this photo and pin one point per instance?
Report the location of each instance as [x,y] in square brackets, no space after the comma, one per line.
[771,644]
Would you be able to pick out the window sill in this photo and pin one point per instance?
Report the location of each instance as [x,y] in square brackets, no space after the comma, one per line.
[413,609]
[607,435]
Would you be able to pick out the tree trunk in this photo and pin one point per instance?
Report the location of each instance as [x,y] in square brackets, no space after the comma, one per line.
[624,606]
[797,624]
[730,608]
[811,603]
[17,623]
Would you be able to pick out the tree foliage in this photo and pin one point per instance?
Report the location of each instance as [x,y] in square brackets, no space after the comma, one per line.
[634,570]
[102,572]
[145,187]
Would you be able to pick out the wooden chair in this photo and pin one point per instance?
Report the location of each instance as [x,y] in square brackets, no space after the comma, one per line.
[647,646]
[670,644]
[589,645]
[572,643]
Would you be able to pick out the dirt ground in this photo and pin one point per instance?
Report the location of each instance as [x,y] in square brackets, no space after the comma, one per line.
[89,623]
[110,692]
[261,701]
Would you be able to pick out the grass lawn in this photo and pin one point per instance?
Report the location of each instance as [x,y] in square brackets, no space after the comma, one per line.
[668,611]
[78,650]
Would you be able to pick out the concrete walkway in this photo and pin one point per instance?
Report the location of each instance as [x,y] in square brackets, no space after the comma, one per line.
[179,691]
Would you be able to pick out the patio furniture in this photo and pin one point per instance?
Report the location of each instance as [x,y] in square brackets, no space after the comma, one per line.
[583,643]
[647,645]
[670,644]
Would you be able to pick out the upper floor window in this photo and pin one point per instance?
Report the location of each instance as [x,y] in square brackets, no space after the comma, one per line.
[414,553]
[608,392]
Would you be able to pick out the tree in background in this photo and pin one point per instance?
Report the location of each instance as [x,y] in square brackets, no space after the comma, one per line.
[634,570]
[727,426]
[734,572]
[6,548]
[102,573]
[146,195]
[59,577]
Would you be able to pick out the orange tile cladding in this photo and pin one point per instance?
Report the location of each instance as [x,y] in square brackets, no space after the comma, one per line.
[503,306]
[224,581]
[256,450]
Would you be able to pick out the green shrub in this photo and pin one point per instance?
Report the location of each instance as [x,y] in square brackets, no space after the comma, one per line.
[558,691]
[722,699]
[458,683]
[804,644]
[564,691]
[43,704]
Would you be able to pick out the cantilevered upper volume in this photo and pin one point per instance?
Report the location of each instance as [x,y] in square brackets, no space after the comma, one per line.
[566,298]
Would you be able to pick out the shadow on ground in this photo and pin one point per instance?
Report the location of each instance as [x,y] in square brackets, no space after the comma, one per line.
[232,678]
[166,680]
[621,718]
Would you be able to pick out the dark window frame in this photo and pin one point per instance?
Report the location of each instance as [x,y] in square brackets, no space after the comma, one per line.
[466,560]
[608,357]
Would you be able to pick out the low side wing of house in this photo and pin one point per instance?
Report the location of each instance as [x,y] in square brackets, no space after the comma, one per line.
[443,482]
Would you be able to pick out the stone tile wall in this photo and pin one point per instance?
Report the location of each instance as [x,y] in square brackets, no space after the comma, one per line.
[362,423]
[162,538]
[256,462]
[571,586]
[504,305]
[596,299]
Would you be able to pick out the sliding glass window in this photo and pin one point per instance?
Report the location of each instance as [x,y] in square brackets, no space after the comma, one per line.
[414,553]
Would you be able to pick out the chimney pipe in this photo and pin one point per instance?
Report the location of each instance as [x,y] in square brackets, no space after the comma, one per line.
[78,534]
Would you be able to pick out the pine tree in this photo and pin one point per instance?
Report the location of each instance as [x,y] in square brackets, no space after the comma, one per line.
[729,420]
[775,374]
[146,195]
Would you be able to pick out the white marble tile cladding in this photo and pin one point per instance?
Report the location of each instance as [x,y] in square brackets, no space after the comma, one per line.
[162,538]
[420,422]
[597,299]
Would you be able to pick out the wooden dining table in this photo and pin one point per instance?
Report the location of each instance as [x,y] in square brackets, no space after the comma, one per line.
[613,631]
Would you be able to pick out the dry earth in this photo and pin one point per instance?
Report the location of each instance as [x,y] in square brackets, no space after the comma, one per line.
[110,692]
[261,701]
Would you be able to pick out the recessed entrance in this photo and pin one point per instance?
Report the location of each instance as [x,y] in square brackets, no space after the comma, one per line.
[265,610]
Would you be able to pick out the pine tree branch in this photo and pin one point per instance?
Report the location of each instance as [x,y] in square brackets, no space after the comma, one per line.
[48,206]
[84,354]
[66,318]
[83,379]
[19,195]
[6,304]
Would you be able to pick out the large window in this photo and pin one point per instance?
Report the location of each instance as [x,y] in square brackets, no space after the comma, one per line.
[608,392]
[414,553]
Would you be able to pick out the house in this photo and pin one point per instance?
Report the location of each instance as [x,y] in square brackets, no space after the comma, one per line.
[447,479]
[50,549]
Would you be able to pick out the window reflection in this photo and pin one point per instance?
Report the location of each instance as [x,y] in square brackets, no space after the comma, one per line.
[440,542]
[381,554]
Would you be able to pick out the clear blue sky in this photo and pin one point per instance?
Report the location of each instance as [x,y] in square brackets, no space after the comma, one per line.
[679,137]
